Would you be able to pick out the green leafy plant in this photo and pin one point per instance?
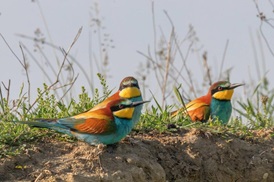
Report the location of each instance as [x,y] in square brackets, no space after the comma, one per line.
[259,114]
[14,136]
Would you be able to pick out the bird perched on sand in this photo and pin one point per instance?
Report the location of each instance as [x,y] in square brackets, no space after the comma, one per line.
[106,123]
[215,104]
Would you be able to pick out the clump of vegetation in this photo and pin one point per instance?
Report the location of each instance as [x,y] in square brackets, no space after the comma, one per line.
[167,62]
[14,136]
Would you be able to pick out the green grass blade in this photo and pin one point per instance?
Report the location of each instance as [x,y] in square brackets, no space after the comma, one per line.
[157,103]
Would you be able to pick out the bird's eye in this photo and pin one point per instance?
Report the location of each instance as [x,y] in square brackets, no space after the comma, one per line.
[220,88]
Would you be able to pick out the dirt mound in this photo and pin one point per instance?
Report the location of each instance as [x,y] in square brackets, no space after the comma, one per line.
[189,155]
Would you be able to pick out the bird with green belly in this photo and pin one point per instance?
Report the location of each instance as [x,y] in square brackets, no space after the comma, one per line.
[215,104]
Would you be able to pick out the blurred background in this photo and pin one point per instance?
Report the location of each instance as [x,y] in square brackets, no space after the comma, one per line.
[164,44]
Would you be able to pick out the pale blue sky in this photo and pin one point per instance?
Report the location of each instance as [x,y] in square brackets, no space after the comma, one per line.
[130,26]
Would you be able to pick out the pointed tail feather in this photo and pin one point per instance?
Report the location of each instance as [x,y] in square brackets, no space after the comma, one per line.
[47,123]
[42,123]
[175,113]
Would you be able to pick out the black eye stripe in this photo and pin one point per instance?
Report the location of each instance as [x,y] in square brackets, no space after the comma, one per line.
[119,107]
[116,107]
[217,89]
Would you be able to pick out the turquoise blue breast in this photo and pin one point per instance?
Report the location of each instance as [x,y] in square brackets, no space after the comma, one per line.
[220,109]
[123,127]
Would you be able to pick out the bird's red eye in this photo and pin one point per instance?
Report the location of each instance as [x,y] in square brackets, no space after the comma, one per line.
[220,88]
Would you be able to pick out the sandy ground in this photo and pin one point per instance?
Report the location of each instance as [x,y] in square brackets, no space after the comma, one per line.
[185,155]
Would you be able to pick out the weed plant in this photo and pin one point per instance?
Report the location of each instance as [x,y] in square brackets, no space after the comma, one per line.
[14,136]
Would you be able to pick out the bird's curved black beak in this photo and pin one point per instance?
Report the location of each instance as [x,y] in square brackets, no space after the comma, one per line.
[137,103]
[235,85]
[123,106]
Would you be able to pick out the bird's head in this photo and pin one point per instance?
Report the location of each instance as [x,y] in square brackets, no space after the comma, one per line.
[125,107]
[129,88]
[125,103]
[223,90]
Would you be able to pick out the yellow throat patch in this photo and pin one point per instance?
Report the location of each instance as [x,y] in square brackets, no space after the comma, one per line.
[124,113]
[223,95]
[130,92]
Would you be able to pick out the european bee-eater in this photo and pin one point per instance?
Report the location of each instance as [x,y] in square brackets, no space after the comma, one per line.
[106,123]
[215,104]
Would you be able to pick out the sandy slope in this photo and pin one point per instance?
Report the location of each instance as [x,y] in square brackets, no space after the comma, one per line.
[188,155]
